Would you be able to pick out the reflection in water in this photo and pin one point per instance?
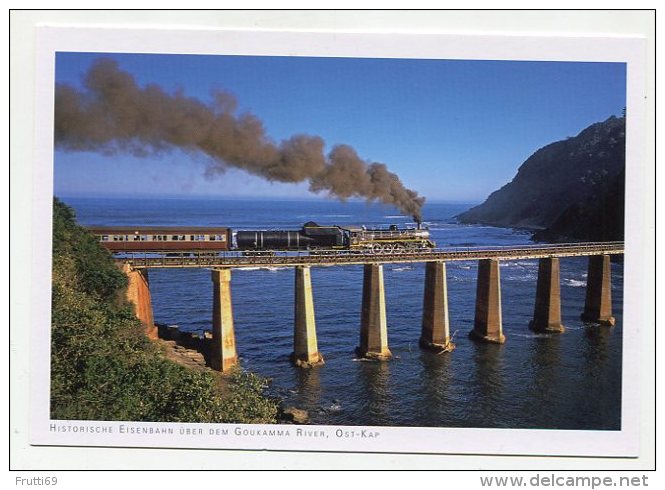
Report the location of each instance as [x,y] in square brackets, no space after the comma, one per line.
[595,352]
[486,389]
[544,386]
[603,378]
[308,384]
[436,387]
[374,378]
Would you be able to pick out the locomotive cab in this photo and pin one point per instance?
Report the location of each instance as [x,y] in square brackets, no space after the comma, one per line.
[325,236]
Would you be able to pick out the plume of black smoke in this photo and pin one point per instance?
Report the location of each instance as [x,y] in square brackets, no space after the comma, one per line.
[113,114]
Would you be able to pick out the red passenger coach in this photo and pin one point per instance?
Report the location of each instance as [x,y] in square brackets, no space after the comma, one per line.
[162,238]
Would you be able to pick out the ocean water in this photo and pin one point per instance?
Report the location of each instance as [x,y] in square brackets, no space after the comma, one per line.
[559,381]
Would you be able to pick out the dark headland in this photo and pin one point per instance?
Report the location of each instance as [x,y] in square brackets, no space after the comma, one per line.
[570,190]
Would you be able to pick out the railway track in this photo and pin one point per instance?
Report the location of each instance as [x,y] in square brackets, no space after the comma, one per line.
[350,257]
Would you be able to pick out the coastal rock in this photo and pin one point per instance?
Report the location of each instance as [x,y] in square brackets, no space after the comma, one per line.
[599,218]
[295,415]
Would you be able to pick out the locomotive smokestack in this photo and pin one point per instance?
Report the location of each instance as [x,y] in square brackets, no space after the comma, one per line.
[112,114]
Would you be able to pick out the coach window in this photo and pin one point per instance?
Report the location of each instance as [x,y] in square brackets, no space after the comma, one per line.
[105,238]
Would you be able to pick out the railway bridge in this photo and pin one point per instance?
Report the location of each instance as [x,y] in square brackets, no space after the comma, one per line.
[435,333]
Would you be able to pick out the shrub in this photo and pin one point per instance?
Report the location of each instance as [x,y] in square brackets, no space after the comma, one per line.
[95,272]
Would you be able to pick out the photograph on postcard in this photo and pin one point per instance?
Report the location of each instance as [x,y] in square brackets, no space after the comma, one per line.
[332,252]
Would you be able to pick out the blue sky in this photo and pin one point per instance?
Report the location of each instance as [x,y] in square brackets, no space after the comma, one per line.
[453,130]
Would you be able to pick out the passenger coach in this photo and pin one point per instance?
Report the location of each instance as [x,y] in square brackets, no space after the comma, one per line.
[158,239]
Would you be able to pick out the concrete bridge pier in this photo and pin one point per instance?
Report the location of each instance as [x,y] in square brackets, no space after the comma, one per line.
[547,310]
[223,355]
[373,323]
[138,294]
[487,326]
[598,303]
[305,349]
[435,334]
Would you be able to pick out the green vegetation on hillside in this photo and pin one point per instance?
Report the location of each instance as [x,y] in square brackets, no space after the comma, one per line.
[102,365]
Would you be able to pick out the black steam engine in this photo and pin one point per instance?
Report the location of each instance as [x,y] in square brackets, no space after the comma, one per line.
[315,237]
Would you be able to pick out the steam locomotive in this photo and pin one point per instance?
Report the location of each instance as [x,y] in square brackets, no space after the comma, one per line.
[311,237]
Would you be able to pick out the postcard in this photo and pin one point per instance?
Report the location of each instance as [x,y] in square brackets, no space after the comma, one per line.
[318,241]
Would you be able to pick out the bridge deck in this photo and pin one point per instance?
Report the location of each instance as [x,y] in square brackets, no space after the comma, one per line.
[346,257]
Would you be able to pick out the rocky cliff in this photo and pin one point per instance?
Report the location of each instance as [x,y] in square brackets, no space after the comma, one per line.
[572,189]
[598,218]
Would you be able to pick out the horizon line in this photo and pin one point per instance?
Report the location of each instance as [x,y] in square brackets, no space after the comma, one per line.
[253,198]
